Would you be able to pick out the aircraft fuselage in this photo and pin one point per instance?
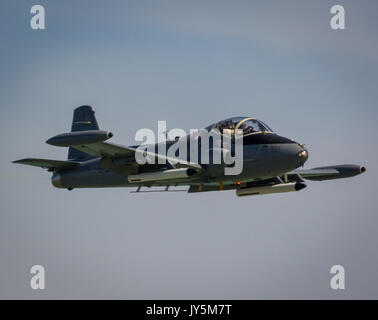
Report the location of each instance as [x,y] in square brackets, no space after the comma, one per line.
[264,155]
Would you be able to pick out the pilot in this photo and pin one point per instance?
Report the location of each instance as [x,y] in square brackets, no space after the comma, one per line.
[249,129]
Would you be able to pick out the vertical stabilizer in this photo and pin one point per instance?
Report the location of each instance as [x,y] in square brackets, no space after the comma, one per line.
[83,119]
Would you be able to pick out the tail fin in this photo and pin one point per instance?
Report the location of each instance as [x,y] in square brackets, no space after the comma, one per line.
[83,119]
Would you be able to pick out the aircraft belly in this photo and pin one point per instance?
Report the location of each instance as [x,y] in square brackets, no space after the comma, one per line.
[97,178]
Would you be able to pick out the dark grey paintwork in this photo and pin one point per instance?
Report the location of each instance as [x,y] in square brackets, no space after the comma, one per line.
[267,159]
[77,138]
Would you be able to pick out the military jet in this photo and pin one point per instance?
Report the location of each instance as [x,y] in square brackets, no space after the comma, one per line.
[271,163]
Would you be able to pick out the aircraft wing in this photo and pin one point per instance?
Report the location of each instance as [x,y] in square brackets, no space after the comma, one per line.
[111,150]
[329,172]
[105,149]
[47,164]
[292,181]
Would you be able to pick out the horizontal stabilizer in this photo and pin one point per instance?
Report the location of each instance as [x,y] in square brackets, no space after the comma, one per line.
[48,164]
[81,137]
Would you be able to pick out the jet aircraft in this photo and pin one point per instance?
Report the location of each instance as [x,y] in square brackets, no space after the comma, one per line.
[271,163]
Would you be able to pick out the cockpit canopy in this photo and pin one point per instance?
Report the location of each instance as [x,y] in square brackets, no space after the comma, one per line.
[248,125]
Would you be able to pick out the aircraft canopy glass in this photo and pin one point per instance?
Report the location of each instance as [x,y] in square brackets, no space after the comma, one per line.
[248,125]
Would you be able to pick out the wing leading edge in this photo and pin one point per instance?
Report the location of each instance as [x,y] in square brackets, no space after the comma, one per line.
[111,150]
[48,164]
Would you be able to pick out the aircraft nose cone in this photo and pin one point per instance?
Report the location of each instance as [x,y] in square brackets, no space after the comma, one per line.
[303,154]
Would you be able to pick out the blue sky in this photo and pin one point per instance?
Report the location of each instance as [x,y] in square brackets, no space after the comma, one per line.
[191,63]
